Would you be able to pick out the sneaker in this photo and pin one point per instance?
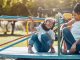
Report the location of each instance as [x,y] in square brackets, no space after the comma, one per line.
[30,49]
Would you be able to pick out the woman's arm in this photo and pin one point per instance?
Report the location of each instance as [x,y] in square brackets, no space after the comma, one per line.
[67,24]
[70,22]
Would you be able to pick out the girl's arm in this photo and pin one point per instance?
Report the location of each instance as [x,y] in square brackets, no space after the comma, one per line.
[32,27]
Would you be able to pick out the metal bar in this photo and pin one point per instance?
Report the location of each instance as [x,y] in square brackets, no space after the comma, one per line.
[14,40]
[20,19]
[58,35]
[41,56]
[15,43]
[27,31]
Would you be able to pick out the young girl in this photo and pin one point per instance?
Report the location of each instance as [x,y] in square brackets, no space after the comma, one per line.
[43,39]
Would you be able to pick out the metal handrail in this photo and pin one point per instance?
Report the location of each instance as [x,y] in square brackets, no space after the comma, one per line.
[15,43]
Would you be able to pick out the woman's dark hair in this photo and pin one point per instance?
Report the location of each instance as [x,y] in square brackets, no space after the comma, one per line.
[77,8]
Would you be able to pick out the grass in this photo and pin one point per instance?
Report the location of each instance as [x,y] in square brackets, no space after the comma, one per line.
[17,34]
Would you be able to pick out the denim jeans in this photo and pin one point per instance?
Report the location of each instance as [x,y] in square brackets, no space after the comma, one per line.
[69,39]
[43,45]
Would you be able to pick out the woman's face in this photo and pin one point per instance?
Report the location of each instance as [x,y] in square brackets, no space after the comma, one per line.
[49,24]
[76,16]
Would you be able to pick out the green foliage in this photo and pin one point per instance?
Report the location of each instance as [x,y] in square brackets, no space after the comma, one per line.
[51,3]
[32,7]
[26,7]
[1,7]
[19,9]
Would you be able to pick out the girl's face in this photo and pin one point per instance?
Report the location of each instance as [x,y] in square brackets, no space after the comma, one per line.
[76,16]
[49,24]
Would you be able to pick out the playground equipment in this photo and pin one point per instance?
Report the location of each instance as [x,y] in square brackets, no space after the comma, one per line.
[15,43]
[14,40]
[14,19]
[36,55]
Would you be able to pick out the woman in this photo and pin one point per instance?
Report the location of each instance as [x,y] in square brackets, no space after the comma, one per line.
[72,38]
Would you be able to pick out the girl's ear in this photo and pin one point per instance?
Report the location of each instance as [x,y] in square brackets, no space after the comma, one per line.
[53,26]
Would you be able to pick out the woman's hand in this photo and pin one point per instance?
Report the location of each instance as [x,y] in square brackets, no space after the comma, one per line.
[52,50]
[63,25]
[73,48]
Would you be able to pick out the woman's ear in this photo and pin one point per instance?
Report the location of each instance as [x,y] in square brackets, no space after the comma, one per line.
[79,15]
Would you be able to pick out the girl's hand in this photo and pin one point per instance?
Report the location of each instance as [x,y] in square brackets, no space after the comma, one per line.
[30,18]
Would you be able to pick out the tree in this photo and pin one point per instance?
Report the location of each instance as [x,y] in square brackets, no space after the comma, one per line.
[32,8]
[1,7]
[7,7]
[19,9]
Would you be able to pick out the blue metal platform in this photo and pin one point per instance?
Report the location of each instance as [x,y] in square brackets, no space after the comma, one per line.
[21,52]
[40,56]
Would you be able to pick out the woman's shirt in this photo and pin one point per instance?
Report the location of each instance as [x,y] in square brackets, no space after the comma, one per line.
[76,30]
